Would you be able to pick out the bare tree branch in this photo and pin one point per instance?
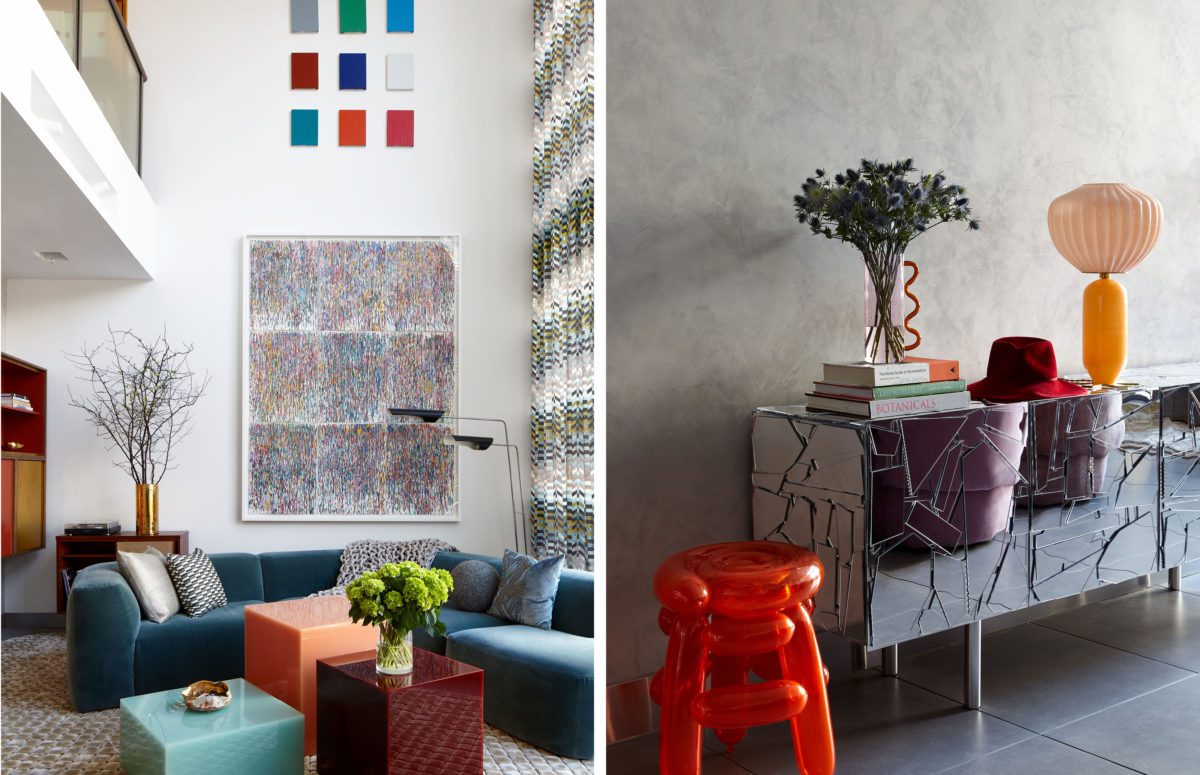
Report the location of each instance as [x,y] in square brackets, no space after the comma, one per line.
[142,397]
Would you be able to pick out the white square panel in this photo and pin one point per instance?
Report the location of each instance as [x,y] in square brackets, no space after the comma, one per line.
[400,72]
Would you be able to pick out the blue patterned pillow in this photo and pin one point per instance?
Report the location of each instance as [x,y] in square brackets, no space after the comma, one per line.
[527,589]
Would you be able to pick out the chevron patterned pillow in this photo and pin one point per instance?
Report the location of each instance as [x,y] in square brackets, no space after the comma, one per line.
[196,582]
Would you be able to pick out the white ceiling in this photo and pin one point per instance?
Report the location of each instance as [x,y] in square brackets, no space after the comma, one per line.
[42,209]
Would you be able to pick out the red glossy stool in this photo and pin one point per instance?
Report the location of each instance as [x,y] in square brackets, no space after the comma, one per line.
[729,608]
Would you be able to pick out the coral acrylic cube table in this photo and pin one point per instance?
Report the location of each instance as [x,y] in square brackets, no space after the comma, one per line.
[430,721]
[255,734]
[284,641]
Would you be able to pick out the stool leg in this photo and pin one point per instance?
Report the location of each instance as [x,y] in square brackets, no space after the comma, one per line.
[812,730]
[683,680]
[730,671]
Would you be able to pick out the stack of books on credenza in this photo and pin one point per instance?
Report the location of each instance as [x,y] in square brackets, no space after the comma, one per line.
[913,386]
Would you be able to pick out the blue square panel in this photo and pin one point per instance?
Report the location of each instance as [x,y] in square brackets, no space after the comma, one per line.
[352,71]
[304,127]
[400,16]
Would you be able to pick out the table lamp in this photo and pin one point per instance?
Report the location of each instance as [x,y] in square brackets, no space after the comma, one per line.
[1105,229]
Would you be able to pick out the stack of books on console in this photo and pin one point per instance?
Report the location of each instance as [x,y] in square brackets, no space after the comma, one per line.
[16,400]
[913,386]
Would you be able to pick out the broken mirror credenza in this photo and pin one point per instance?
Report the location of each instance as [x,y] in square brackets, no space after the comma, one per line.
[932,521]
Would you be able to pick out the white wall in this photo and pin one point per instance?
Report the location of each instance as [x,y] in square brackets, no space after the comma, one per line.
[217,161]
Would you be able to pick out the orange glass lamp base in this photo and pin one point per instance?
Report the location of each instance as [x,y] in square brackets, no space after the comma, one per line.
[1104,330]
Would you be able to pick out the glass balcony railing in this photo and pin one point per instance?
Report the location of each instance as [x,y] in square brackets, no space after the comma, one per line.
[94,35]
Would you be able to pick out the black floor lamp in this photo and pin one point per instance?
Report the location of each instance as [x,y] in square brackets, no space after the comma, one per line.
[480,443]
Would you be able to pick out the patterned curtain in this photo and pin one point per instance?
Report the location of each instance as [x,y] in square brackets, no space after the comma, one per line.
[563,302]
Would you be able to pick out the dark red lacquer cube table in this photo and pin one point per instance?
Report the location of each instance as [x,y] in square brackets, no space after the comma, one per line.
[430,721]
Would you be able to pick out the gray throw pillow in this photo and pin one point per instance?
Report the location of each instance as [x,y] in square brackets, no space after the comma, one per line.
[196,582]
[527,589]
[475,585]
[147,575]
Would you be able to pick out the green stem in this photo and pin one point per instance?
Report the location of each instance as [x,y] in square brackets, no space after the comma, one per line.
[394,651]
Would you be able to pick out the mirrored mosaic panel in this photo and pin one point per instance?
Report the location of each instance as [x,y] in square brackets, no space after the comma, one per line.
[1090,508]
[1180,416]
[931,521]
[928,542]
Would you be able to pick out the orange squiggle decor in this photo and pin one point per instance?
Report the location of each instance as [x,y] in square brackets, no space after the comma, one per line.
[916,306]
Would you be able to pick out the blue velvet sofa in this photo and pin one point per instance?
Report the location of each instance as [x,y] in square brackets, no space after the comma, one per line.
[538,684]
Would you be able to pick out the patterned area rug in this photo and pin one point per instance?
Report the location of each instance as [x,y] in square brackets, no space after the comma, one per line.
[42,735]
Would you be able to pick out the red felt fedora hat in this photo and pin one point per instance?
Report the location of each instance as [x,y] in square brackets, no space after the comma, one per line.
[1022,368]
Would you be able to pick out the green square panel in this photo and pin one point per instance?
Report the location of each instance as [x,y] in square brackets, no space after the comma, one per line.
[352,15]
[255,734]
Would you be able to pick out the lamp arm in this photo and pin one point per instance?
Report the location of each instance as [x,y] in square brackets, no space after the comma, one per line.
[522,543]
[518,504]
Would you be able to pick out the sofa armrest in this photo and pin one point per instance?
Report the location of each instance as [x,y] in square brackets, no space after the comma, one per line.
[102,625]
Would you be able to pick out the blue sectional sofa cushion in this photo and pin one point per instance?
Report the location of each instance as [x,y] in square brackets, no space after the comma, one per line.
[533,680]
[299,574]
[455,621]
[176,653]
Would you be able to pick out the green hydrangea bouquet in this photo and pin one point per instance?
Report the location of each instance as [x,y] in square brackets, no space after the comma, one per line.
[399,598]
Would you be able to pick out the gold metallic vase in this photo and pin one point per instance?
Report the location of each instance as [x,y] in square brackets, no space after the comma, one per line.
[147,509]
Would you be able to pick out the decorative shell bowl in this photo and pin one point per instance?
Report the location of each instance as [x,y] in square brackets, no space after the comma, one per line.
[206,696]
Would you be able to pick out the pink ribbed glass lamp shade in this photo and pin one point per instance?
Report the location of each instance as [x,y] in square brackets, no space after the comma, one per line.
[1105,227]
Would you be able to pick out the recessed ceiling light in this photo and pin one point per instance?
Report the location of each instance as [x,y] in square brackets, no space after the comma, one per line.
[50,256]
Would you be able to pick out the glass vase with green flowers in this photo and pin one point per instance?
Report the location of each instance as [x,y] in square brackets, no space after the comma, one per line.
[399,598]
[879,208]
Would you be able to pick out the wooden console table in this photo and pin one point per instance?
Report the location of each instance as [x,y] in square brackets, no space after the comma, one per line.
[74,553]
[933,521]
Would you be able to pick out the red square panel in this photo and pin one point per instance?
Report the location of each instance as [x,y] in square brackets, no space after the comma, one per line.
[352,127]
[400,128]
[304,71]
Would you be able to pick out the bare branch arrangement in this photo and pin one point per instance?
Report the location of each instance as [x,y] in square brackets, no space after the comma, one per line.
[142,396]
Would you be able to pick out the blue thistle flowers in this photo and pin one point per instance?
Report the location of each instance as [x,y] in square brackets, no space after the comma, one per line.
[880,206]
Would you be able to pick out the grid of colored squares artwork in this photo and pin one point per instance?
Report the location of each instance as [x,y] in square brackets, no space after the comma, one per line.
[338,331]
[352,73]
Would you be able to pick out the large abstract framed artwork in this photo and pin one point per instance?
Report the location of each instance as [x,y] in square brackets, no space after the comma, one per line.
[336,330]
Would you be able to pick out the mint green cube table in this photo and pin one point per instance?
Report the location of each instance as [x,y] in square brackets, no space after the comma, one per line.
[255,734]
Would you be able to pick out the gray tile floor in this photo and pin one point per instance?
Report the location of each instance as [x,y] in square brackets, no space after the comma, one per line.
[1107,688]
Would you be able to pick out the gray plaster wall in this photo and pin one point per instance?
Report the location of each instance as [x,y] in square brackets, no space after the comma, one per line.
[718,301]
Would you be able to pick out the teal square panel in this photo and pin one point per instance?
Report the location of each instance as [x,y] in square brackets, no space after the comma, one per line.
[304,127]
[255,734]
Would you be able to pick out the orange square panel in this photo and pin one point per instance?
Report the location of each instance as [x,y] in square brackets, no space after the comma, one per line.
[284,640]
[352,127]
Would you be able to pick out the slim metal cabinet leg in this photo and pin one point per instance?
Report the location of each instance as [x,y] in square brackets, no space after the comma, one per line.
[973,667]
[1175,578]
[891,660]
[858,657]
